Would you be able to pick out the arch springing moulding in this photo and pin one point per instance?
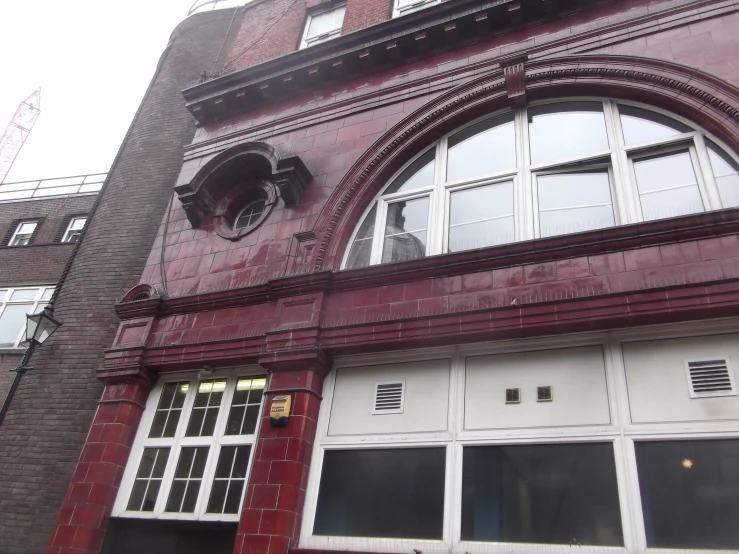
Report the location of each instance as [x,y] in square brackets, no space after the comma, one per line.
[231,173]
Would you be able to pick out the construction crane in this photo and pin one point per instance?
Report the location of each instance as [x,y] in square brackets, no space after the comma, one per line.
[17,132]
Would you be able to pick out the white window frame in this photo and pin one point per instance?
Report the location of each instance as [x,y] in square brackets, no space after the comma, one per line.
[17,233]
[618,158]
[306,42]
[621,432]
[179,441]
[68,233]
[42,296]
[399,10]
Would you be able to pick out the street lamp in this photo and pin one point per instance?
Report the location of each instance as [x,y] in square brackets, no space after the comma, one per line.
[39,327]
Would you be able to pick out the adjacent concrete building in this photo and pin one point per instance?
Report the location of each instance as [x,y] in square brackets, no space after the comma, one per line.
[392,276]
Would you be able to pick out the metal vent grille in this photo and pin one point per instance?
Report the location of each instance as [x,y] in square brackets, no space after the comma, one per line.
[389,398]
[512,396]
[710,378]
[544,394]
[141,296]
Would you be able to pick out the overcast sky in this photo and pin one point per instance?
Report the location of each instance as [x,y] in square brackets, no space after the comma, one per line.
[93,60]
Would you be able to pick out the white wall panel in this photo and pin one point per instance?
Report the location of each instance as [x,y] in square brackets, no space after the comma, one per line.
[426,399]
[576,375]
[658,385]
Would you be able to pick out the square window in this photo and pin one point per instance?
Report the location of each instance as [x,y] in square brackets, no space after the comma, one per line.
[541,494]
[23,233]
[323,26]
[74,229]
[390,493]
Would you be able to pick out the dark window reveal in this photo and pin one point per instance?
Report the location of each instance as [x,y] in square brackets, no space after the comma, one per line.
[548,493]
[394,493]
[690,493]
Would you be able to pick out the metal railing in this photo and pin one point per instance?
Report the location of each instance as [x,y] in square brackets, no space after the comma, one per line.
[59,186]
[207,5]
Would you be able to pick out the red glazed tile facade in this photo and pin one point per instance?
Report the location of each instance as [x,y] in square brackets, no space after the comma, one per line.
[277,296]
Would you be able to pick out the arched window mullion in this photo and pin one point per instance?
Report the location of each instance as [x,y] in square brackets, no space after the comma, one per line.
[630,210]
[525,213]
[438,208]
[714,197]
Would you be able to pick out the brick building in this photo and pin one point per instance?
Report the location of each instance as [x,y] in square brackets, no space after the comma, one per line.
[488,252]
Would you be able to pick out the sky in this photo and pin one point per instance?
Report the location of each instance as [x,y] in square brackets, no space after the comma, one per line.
[93,60]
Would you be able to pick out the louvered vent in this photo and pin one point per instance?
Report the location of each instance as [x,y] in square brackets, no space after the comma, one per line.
[710,378]
[544,394]
[389,398]
[512,396]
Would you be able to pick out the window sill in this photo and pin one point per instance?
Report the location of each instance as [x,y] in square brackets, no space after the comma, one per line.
[611,239]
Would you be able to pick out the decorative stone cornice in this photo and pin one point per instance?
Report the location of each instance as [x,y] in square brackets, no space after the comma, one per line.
[393,42]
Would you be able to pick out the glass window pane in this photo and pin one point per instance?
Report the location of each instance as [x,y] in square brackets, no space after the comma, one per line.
[205,410]
[396,493]
[417,175]
[483,149]
[228,485]
[405,230]
[242,419]
[359,255]
[12,323]
[169,410]
[690,493]
[187,479]
[23,294]
[726,171]
[566,131]
[47,293]
[148,480]
[481,216]
[667,186]
[541,494]
[642,125]
[325,22]
[574,202]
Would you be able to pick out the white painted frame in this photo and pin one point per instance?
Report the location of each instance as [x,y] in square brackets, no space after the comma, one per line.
[306,42]
[621,432]
[618,159]
[68,233]
[399,10]
[17,233]
[176,443]
[43,294]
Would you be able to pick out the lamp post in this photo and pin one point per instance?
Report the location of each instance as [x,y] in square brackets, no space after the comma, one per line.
[39,327]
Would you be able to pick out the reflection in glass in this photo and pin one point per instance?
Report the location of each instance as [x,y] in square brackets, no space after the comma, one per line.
[244,414]
[148,480]
[481,217]
[566,131]
[667,186]
[396,493]
[643,126]
[169,410]
[405,230]
[726,172]
[359,255]
[12,323]
[417,175]
[187,479]
[574,202]
[483,149]
[228,484]
[546,493]
[205,411]
[690,493]
[23,294]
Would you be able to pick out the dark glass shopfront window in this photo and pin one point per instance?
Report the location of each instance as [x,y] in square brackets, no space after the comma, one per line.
[547,493]
[690,493]
[393,493]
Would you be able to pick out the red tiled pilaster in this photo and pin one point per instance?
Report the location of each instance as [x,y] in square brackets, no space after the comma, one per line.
[83,518]
[273,505]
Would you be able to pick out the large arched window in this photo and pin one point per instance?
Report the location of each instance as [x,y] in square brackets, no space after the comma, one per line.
[541,171]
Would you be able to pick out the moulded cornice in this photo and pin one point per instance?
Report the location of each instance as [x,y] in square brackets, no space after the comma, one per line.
[393,42]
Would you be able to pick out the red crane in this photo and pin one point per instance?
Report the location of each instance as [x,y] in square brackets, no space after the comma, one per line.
[17,132]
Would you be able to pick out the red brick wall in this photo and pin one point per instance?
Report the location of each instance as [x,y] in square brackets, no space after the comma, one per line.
[363,13]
